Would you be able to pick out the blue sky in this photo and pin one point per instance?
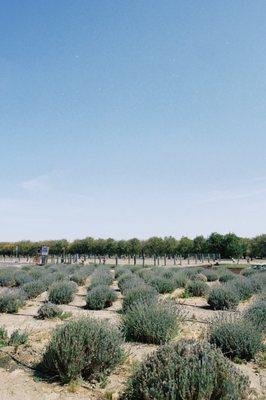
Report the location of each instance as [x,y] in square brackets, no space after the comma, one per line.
[132,118]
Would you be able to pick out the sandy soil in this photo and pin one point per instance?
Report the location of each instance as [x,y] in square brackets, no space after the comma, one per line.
[19,382]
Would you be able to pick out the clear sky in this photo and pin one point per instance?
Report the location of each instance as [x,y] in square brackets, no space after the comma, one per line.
[132,118]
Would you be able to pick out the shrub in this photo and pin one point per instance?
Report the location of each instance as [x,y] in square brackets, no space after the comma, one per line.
[18,338]
[33,288]
[22,277]
[180,279]
[186,370]
[152,323]
[101,277]
[226,276]
[37,273]
[211,276]
[145,273]
[223,298]
[3,336]
[62,292]
[257,282]
[100,297]
[129,282]
[248,272]
[192,271]
[256,314]
[84,347]
[197,288]
[7,278]
[162,285]
[200,277]
[124,277]
[120,270]
[11,300]
[143,293]
[235,336]
[79,278]
[243,288]
[49,310]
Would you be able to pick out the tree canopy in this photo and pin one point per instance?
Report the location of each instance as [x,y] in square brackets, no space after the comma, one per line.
[229,245]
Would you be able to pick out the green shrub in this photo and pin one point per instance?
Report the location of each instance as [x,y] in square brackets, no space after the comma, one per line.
[197,288]
[152,323]
[162,285]
[79,278]
[120,270]
[22,277]
[211,276]
[256,314]
[49,310]
[7,278]
[100,297]
[180,280]
[186,370]
[226,276]
[143,293]
[62,292]
[18,338]
[11,300]
[145,273]
[101,277]
[235,336]
[129,282]
[84,347]
[48,280]
[223,297]
[37,273]
[3,336]
[257,282]
[242,287]
[192,271]
[33,288]
[248,272]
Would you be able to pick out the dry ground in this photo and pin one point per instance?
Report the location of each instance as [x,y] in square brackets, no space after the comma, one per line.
[19,382]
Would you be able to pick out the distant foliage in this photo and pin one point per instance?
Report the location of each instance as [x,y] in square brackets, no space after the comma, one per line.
[223,297]
[236,337]
[100,297]
[156,322]
[186,370]
[11,300]
[62,292]
[83,348]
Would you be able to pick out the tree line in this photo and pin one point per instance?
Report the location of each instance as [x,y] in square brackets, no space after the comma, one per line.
[229,245]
